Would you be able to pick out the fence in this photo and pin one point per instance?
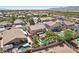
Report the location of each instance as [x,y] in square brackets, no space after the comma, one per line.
[48,46]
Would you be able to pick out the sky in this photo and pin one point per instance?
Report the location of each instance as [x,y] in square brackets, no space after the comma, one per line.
[39,2]
[27,7]
[36,4]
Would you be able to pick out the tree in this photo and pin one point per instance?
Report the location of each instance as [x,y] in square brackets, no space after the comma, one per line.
[35,38]
[31,22]
[68,34]
[35,45]
[22,17]
[11,19]
[39,20]
[27,19]
[35,41]
[53,36]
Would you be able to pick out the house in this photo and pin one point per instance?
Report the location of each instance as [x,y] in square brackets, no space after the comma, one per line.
[35,19]
[45,19]
[69,25]
[6,15]
[29,14]
[1,15]
[36,29]
[20,15]
[75,18]
[43,14]
[35,15]
[5,25]
[55,26]
[18,23]
[2,28]
[59,17]
[76,27]
[12,36]
[50,24]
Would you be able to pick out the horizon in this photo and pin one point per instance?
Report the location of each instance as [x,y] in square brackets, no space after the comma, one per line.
[27,7]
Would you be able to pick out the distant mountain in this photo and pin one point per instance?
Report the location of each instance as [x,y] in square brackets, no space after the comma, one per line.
[69,8]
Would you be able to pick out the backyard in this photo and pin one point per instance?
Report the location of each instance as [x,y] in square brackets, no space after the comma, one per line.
[53,37]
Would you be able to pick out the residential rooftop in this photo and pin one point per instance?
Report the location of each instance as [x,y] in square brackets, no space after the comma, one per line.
[50,23]
[12,34]
[37,26]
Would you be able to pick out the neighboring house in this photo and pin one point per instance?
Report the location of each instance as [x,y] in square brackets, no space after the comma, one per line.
[59,17]
[75,19]
[29,14]
[35,15]
[43,14]
[2,28]
[76,27]
[18,23]
[6,15]
[69,25]
[36,29]
[45,19]
[1,15]
[13,36]
[54,26]
[50,24]
[20,15]
[35,19]
[5,25]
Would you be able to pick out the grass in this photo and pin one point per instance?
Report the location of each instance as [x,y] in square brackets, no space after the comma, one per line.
[71,13]
[66,13]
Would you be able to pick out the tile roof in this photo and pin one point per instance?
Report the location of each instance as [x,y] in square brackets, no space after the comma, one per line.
[50,23]
[69,23]
[37,26]
[12,34]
